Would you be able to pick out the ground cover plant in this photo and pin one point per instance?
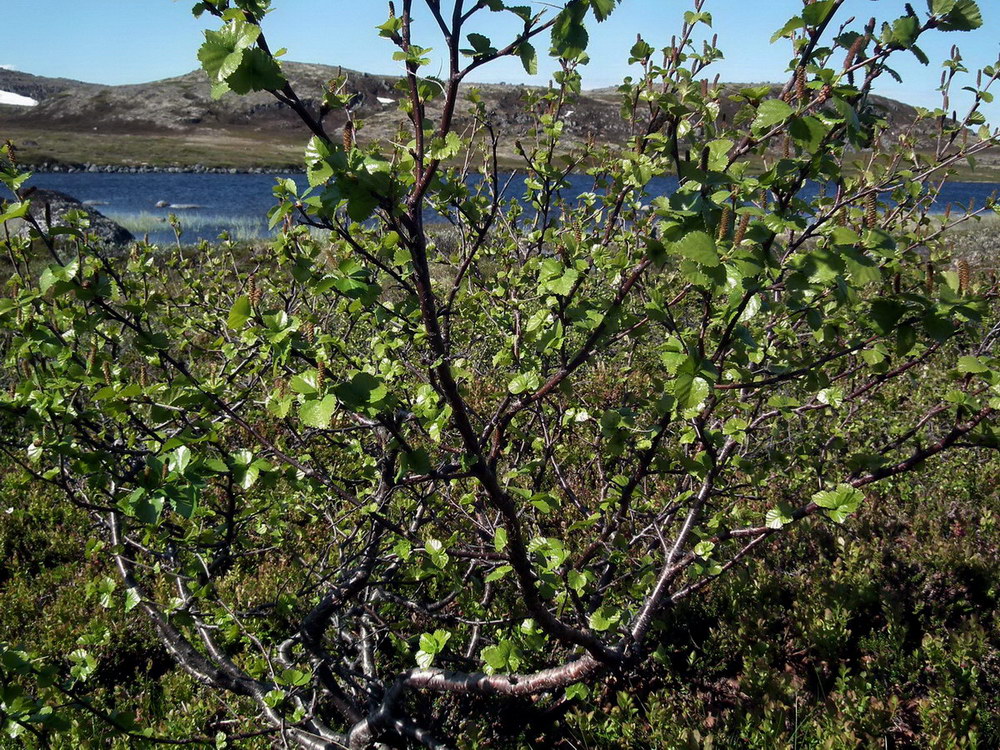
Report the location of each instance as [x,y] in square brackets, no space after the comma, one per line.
[382,484]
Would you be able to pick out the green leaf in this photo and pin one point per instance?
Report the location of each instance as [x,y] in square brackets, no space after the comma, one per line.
[794,24]
[818,12]
[777,517]
[502,657]
[431,644]
[831,396]
[180,459]
[295,677]
[576,581]
[808,132]
[971,365]
[885,314]
[497,574]
[149,508]
[222,51]
[529,58]
[940,7]
[424,659]
[605,618]
[602,8]
[304,383]
[16,211]
[318,412]
[771,113]
[839,503]
[481,45]
[704,549]
[905,31]
[699,247]
[964,16]
[525,381]
[500,539]
[445,148]
[362,390]
[186,502]
[569,35]
[258,71]
[240,313]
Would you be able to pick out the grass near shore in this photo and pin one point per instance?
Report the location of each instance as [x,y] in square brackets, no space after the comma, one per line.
[248,149]
[240,228]
[231,150]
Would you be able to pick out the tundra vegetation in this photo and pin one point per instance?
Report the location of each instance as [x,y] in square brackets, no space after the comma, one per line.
[584,471]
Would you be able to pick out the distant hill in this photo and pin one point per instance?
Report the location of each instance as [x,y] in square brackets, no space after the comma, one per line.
[175,121]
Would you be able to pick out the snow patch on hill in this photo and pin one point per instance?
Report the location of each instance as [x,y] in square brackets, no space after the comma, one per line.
[17,100]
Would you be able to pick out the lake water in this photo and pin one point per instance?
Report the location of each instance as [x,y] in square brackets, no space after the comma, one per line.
[239,202]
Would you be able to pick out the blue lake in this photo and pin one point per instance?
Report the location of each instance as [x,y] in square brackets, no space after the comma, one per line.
[221,202]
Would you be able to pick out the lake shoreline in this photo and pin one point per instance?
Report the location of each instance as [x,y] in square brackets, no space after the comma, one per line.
[47,168]
[964,176]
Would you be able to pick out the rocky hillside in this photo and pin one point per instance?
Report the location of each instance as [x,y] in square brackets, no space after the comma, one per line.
[176,122]
[184,105]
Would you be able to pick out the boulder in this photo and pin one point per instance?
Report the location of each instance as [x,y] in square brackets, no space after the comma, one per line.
[59,204]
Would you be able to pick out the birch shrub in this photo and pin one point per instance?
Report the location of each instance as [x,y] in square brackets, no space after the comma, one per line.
[375,486]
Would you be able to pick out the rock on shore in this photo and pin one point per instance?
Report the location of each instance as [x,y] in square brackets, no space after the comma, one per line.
[59,204]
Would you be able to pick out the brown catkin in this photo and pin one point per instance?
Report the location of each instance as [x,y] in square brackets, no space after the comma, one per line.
[897,283]
[281,386]
[800,84]
[963,276]
[741,229]
[320,375]
[929,279]
[724,223]
[92,358]
[704,88]
[106,368]
[254,292]
[309,331]
[871,211]
[348,135]
[786,147]
[143,375]
[855,48]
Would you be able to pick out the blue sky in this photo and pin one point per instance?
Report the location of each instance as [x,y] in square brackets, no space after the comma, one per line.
[130,41]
